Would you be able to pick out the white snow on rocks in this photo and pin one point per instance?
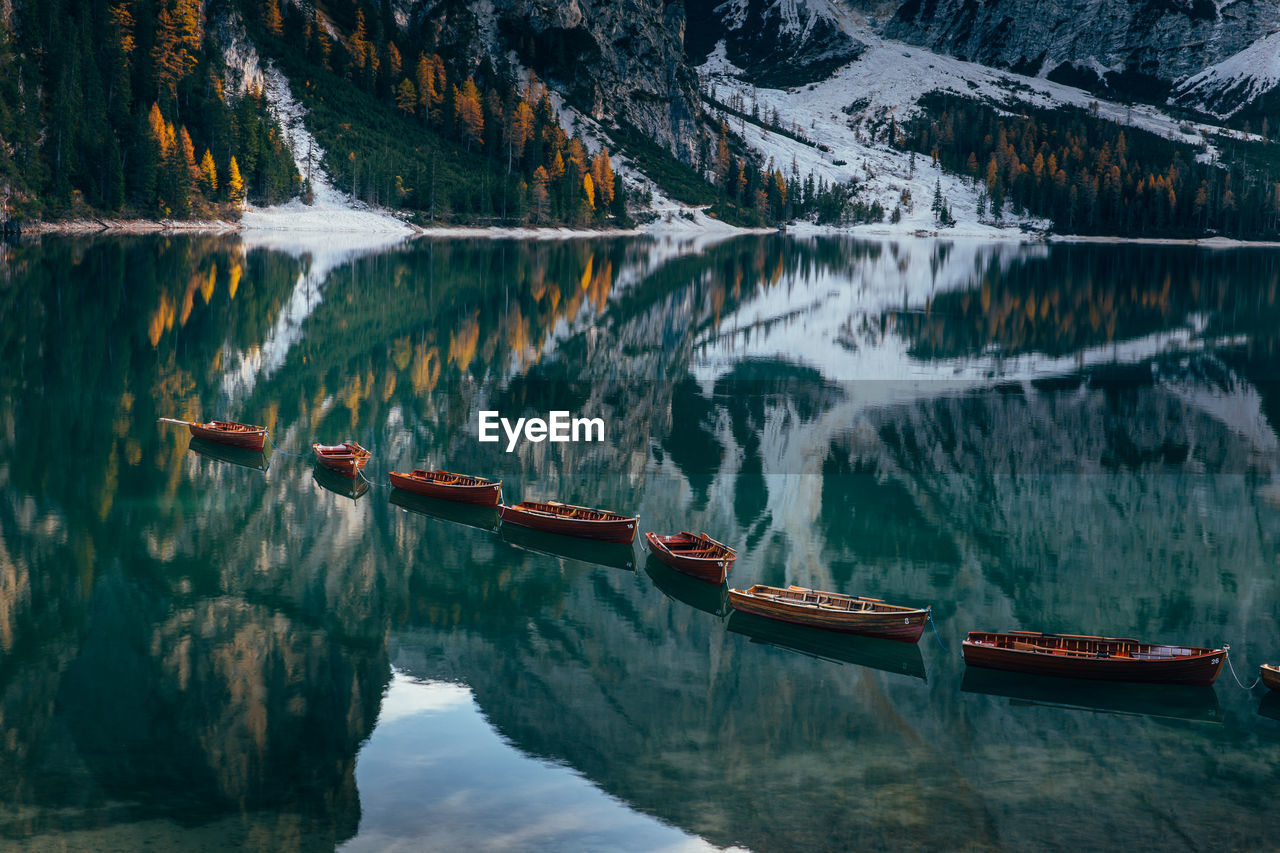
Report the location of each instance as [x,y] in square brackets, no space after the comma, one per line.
[1223,89]
[333,210]
[848,112]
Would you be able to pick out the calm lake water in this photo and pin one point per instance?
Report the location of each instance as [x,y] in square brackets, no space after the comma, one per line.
[204,650]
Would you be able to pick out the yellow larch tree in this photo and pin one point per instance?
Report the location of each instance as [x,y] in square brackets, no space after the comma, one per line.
[235,184]
[271,18]
[208,174]
[470,115]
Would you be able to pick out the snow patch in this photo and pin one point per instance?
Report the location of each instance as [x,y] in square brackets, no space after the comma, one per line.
[1224,89]
[848,113]
[333,210]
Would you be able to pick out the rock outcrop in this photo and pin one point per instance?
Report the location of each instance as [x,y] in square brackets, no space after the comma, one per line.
[1133,47]
[617,61]
[776,43]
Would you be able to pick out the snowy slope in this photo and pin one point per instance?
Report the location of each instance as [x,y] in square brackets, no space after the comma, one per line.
[673,221]
[333,210]
[1224,89]
[849,112]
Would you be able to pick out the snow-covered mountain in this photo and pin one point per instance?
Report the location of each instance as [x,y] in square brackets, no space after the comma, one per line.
[780,43]
[1135,49]
[1240,82]
[1131,47]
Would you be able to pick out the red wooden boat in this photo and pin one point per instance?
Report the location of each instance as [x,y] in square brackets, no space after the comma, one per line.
[695,554]
[1101,658]
[449,487]
[1271,676]
[346,459]
[226,432]
[569,520]
[869,617]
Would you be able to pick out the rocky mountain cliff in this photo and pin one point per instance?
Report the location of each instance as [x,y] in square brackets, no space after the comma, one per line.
[617,61]
[1134,47]
[1124,48]
[779,44]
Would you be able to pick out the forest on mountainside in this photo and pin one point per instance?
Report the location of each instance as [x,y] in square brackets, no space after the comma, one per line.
[452,139]
[125,108]
[1093,176]
[120,107]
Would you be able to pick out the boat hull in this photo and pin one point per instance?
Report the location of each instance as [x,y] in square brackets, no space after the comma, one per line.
[251,440]
[713,570]
[1201,669]
[621,530]
[487,494]
[347,464]
[1271,677]
[905,627]
[243,456]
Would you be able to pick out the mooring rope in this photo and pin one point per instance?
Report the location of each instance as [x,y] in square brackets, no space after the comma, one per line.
[1232,667]
[371,482]
[285,452]
[934,626]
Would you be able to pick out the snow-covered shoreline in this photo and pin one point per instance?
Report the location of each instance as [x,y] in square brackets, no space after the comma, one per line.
[720,230]
[129,226]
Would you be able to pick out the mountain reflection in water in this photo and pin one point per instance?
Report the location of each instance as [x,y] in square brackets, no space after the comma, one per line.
[203,653]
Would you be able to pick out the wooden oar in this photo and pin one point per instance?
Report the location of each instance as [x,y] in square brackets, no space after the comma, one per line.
[174,421]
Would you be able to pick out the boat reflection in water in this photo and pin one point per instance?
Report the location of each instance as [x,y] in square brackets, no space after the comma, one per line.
[479,517]
[1171,701]
[613,554]
[1270,706]
[348,487]
[884,655]
[241,456]
[706,597]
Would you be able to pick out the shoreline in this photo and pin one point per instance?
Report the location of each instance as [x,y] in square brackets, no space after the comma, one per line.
[876,231]
[218,227]
[129,226]
[222,226]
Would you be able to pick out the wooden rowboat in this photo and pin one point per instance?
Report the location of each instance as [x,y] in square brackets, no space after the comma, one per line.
[869,617]
[346,459]
[695,554]
[569,520]
[1271,676]
[1101,658]
[449,487]
[230,433]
